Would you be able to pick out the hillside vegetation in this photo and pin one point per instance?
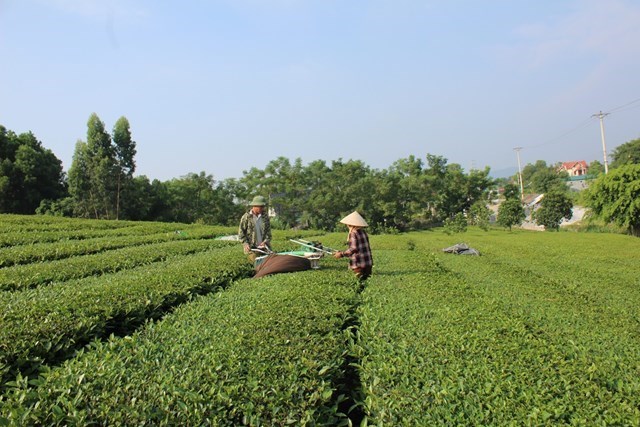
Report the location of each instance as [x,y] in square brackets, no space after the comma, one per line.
[132,323]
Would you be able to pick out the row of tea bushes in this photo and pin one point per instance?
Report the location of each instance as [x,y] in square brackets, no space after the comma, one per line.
[265,351]
[77,229]
[38,274]
[14,238]
[492,340]
[45,324]
[49,251]
[30,223]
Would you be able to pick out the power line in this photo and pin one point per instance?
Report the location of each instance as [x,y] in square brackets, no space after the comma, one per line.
[620,110]
[585,123]
[551,141]
[622,106]
[601,117]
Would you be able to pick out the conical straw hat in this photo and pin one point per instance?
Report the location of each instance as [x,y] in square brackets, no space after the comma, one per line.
[354,219]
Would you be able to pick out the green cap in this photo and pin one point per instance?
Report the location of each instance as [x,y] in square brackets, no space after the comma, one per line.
[258,201]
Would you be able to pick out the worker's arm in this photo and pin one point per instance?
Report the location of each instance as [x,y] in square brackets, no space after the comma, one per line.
[353,247]
[243,234]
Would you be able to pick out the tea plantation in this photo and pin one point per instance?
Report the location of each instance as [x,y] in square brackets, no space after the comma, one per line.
[129,323]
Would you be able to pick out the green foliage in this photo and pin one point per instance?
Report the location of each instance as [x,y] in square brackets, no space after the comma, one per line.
[45,251]
[408,195]
[490,346]
[555,207]
[535,332]
[124,153]
[60,207]
[266,353]
[594,225]
[511,191]
[540,178]
[456,224]
[615,197]
[479,215]
[51,322]
[278,224]
[27,230]
[596,168]
[99,256]
[510,213]
[29,173]
[626,154]
[93,175]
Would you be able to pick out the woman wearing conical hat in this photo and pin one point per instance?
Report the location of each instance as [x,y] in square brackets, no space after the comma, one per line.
[359,251]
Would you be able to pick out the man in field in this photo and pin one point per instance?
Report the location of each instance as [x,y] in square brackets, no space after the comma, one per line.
[255,229]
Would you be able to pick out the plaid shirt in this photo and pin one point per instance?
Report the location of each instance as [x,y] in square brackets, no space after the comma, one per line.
[359,251]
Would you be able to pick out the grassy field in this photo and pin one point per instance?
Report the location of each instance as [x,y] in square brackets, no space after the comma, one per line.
[541,329]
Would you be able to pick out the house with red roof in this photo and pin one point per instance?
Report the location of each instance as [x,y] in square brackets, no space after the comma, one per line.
[578,168]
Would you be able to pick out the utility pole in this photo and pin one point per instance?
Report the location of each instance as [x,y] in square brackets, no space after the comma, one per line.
[601,116]
[517,150]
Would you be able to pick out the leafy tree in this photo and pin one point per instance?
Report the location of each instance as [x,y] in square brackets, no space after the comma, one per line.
[454,190]
[101,174]
[285,187]
[455,224]
[615,197]
[59,207]
[93,174]
[510,213]
[531,169]
[29,173]
[406,192]
[554,208]
[453,197]
[124,151]
[540,178]
[511,191]
[627,153]
[405,196]
[281,182]
[102,169]
[159,199]
[478,183]
[549,180]
[479,215]
[318,210]
[596,168]
[389,204]
[334,191]
[189,199]
[436,177]
[141,199]
[351,189]
[224,210]
[79,182]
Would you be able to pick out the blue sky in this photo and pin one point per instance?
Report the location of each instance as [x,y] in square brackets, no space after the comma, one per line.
[221,86]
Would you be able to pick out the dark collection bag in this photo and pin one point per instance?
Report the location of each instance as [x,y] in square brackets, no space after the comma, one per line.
[275,263]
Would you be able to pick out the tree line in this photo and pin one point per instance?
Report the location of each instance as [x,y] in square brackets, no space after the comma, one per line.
[412,193]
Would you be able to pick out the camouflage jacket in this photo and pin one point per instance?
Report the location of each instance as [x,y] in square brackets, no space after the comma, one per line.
[247,232]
